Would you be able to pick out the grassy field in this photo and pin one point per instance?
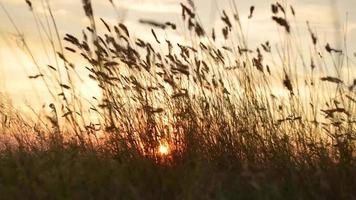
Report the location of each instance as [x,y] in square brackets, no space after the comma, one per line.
[205,118]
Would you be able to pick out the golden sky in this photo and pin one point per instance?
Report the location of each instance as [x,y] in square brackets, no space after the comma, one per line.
[327,17]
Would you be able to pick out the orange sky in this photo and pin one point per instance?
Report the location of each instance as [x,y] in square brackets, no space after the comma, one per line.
[15,65]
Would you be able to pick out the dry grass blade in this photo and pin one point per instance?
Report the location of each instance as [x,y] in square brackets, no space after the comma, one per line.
[186,10]
[226,19]
[274,9]
[332,79]
[65,86]
[51,67]
[67,114]
[283,22]
[70,49]
[192,4]
[179,94]
[351,99]
[29,4]
[155,36]
[312,64]
[288,84]
[157,24]
[252,9]
[153,23]
[266,47]
[313,36]
[199,30]
[330,50]
[88,8]
[106,25]
[281,8]
[225,32]
[213,36]
[172,25]
[330,113]
[35,76]
[153,110]
[124,28]
[353,85]
[292,10]
[257,62]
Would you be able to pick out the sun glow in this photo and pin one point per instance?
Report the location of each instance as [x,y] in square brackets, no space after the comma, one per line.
[163,149]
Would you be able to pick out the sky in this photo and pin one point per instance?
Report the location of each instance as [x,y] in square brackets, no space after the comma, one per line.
[327,18]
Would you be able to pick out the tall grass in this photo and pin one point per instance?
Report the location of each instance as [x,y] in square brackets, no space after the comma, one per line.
[268,122]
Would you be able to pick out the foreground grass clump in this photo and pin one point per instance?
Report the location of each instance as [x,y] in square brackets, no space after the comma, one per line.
[71,171]
[204,118]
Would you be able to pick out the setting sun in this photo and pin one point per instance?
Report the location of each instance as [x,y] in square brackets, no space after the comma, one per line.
[163,149]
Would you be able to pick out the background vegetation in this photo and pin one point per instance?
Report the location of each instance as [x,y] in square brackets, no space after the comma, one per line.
[269,122]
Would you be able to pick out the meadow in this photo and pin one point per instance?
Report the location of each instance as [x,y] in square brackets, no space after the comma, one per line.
[206,118]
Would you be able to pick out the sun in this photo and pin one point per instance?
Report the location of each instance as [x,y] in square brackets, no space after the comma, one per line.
[163,149]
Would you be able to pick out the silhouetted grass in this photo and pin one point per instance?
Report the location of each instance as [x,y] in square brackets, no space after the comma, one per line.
[230,136]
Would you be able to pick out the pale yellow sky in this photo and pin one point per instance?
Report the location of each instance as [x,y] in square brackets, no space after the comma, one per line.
[15,65]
